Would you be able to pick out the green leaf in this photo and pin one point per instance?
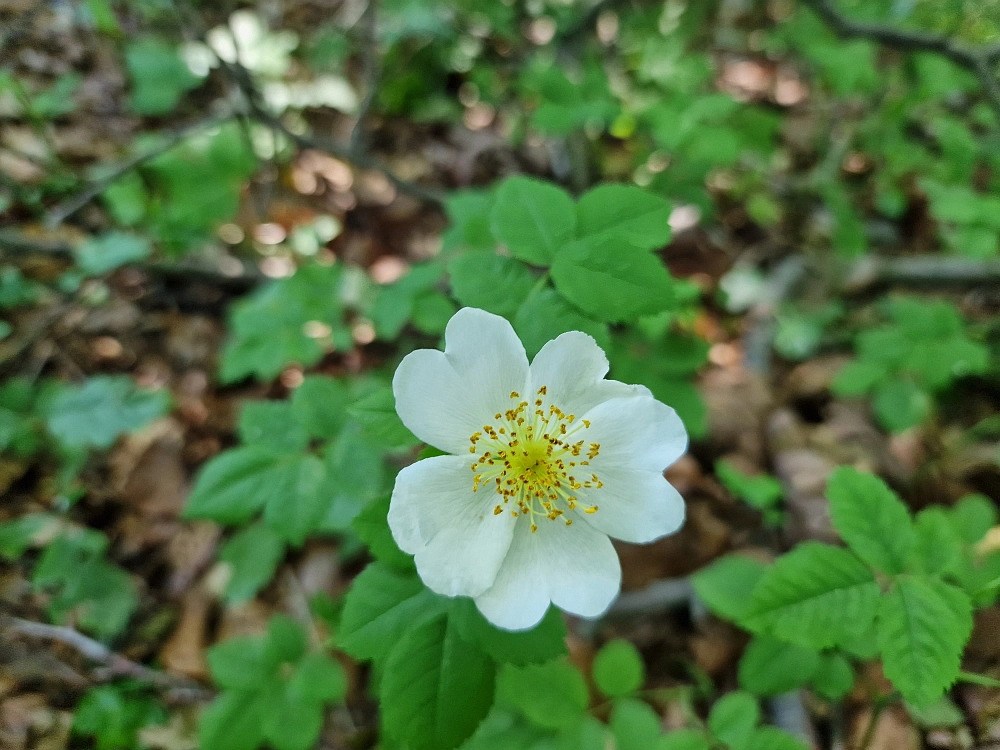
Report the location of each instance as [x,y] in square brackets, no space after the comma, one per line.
[355,475]
[252,555]
[283,323]
[99,255]
[94,414]
[973,516]
[634,724]
[377,413]
[114,715]
[923,626]
[126,199]
[733,718]
[431,313]
[436,687]
[857,378]
[683,739]
[532,218]
[490,282]
[724,585]
[290,724]
[159,76]
[834,677]
[551,695]
[901,404]
[938,545]
[234,485]
[380,606]
[618,669]
[760,491]
[318,678]
[611,282]
[234,721]
[23,532]
[546,314]
[242,663]
[771,667]
[771,738]
[624,212]
[816,596]
[544,642]
[372,528]
[270,424]
[871,519]
[298,508]
[320,406]
[469,215]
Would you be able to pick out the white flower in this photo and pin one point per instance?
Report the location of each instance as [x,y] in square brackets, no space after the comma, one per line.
[548,461]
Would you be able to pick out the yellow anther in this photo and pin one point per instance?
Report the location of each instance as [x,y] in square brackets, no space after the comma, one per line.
[592,509]
[515,394]
[497,511]
[586,423]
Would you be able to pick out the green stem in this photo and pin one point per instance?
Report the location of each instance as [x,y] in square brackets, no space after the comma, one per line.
[978,679]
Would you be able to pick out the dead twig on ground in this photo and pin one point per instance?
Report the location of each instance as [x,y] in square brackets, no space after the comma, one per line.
[113,665]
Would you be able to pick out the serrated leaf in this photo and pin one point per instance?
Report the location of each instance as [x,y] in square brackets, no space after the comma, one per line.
[610,282]
[297,510]
[241,663]
[972,517]
[290,724]
[724,585]
[233,486]
[490,282]
[938,545]
[376,412]
[546,314]
[233,721]
[270,424]
[551,695]
[624,212]
[545,641]
[900,404]
[320,406]
[105,406]
[532,218]
[372,528]
[816,595]
[923,626]
[618,669]
[380,606]
[871,519]
[436,687]
[771,667]
[318,678]
[252,555]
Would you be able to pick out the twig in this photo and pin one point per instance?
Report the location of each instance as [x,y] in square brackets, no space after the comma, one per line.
[975,59]
[241,76]
[115,665]
[928,270]
[372,74]
[70,206]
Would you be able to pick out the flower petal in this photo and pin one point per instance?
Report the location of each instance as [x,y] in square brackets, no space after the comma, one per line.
[637,432]
[575,567]
[634,505]
[444,397]
[572,368]
[457,542]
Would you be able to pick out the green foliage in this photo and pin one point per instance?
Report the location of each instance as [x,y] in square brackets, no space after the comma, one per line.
[618,669]
[819,597]
[99,255]
[95,414]
[290,321]
[762,491]
[114,714]
[159,77]
[903,364]
[85,587]
[274,690]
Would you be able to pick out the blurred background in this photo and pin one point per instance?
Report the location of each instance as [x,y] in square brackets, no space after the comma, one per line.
[223,223]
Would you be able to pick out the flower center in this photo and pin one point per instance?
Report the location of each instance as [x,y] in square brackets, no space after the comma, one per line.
[533,460]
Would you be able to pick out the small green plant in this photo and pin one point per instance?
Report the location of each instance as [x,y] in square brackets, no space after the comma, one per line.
[114,715]
[903,590]
[905,363]
[760,491]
